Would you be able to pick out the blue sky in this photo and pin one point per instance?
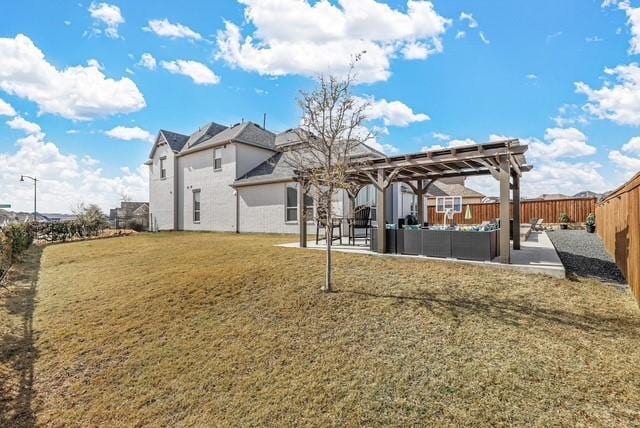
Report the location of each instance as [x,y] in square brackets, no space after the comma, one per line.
[79,105]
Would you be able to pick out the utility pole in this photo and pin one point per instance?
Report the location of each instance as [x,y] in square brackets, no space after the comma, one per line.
[35,194]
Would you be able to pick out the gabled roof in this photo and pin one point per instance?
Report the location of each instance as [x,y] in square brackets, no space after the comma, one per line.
[176,141]
[246,132]
[439,188]
[274,169]
[291,137]
[205,133]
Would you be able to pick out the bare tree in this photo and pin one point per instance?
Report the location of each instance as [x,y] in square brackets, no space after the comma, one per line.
[331,131]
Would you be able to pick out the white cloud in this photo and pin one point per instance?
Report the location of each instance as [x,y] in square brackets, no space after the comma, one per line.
[469,18]
[80,93]
[593,39]
[67,22]
[129,134]
[633,21]
[64,179]
[419,50]
[198,72]
[297,37]
[550,37]
[549,177]
[570,114]
[624,161]
[563,177]
[628,162]
[451,143]
[392,113]
[484,38]
[633,146]
[89,161]
[147,61]
[109,15]
[561,143]
[440,136]
[164,28]
[460,35]
[6,109]
[532,76]
[22,124]
[618,101]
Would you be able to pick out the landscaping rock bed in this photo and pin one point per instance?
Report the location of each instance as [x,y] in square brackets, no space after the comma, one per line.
[584,254]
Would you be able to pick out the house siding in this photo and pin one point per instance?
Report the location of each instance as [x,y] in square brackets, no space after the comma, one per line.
[217,202]
[161,191]
[262,209]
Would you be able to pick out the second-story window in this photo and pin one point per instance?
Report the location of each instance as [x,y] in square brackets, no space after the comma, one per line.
[163,168]
[217,159]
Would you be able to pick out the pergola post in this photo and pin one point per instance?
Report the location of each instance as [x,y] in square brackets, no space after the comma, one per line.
[505,250]
[516,212]
[420,201]
[302,214]
[380,212]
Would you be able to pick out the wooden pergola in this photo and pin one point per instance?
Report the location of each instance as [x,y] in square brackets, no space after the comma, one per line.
[504,160]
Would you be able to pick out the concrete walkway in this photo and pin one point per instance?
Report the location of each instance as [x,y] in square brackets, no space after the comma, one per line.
[537,255]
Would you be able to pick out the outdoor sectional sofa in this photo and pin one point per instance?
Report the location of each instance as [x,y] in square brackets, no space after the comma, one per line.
[482,246]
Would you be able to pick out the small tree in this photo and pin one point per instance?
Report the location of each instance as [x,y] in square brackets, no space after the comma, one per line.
[332,128]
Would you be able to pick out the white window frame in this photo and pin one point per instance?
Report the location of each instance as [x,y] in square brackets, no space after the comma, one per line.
[163,170]
[288,208]
[195,192]
[217,156]
[448,202]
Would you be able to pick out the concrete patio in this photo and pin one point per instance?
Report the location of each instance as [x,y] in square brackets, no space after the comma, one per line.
[536,255]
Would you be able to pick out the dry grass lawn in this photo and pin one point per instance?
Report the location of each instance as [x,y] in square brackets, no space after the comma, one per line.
[211,329]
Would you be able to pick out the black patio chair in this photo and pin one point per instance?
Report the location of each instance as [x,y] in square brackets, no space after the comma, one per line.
[361,220]
[321,223]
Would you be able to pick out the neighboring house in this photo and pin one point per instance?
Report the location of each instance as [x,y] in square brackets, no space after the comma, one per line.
[236,179]
[130,215]
[449,192]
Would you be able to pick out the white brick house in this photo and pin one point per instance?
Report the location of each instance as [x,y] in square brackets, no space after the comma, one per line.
[234,179]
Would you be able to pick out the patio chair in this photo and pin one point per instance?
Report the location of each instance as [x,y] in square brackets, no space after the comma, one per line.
[361,220]
[321,223]
[539,225]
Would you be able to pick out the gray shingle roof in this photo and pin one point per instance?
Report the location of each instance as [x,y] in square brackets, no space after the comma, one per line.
[438,188]
[247,132]
[273,169]
[176,141]
[276,168]
[205,133]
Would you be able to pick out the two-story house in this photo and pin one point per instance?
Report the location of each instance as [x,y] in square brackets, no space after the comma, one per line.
[236,179]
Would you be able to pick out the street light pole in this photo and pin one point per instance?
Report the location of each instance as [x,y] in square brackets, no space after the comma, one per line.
[35,193]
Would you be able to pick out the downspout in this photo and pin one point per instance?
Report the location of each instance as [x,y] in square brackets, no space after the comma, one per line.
[237,192]
[176,189]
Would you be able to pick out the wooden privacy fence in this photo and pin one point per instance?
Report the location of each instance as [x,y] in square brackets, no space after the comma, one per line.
[618,224]
[577,208]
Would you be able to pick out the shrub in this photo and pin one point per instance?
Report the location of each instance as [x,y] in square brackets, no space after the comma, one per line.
[564,218]
[14,240]
[591,219]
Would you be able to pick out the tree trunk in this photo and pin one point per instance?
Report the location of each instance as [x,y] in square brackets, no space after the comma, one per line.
[329,240]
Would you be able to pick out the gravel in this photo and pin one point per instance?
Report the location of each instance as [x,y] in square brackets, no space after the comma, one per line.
[584,254]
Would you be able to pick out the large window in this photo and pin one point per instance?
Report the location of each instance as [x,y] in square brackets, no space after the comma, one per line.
[308,207]
[292,203]
[163,168]
[443,203]
[368,196]
[217,159]
[196,205]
